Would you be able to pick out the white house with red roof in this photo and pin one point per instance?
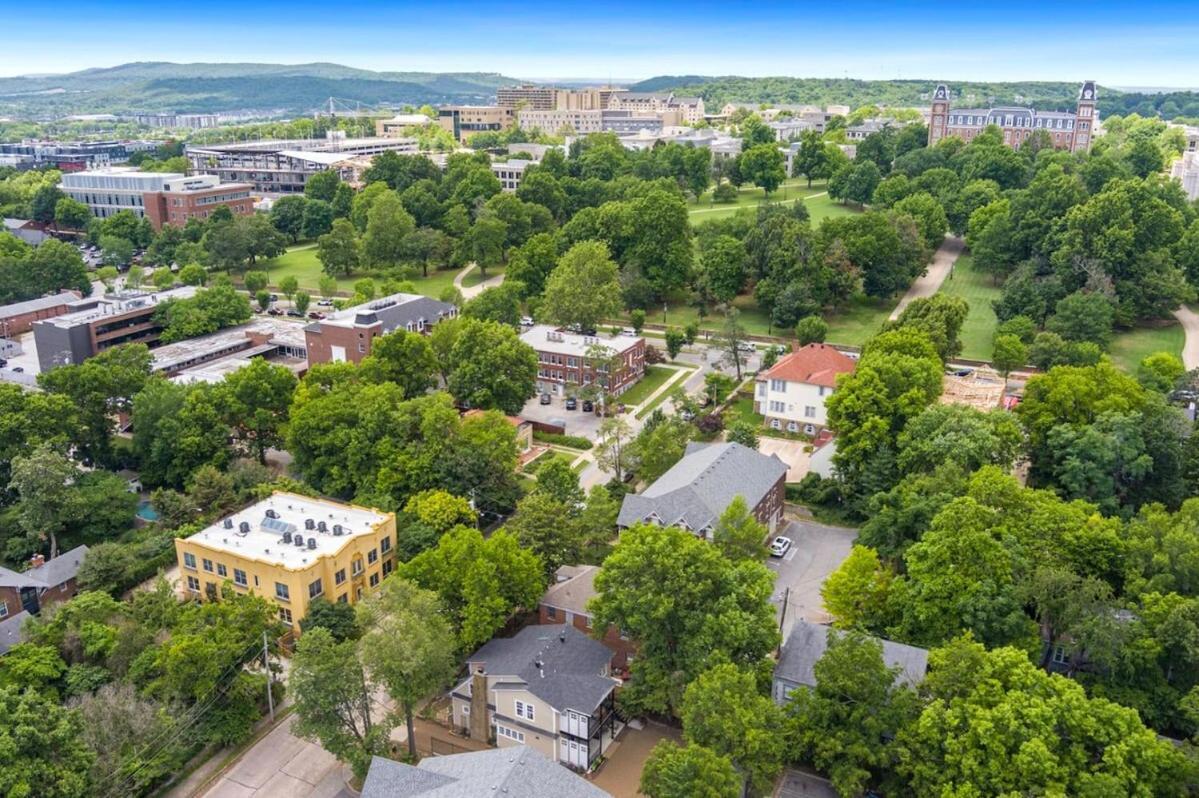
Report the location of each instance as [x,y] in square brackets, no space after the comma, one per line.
[791,393]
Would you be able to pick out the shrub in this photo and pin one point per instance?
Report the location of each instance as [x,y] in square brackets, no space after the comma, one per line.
[569,441]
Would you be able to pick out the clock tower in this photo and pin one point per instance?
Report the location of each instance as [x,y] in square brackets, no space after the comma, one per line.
[1085,118]
[938,123]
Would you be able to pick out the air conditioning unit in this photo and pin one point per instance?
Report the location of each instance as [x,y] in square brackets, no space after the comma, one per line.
[337,530]
[299,540]
[287,537]
[322,527]
[228,523]
[309,523]
[270,513]
[243,528]
[312,543]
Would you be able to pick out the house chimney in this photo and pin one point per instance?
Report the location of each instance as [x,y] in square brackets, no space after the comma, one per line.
[480,725]
[562,636]
[37,561]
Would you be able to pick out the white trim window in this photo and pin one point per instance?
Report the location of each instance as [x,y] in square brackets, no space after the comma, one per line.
[524,710]
[511,734]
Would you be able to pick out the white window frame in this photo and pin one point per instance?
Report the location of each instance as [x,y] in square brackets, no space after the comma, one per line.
[524,710]
[511,734]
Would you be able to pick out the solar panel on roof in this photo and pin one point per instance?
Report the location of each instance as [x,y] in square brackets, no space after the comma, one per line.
[278,525]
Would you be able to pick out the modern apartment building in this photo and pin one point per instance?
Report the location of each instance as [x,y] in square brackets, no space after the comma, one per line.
[389,128]
[569,361]
[75,156]
[347,334]
[1068,130]
[792,392]
[188,121]
[463,121]
[549,98]
[96,323]
[291,549]
[284,166]
[162,197]
[511,172]
[553,121]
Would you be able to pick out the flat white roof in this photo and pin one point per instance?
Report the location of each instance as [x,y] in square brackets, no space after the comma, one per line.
[264,537]
[547,338]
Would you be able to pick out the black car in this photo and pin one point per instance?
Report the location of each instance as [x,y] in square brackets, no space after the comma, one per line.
[588,406]
[545,399]
[572,403]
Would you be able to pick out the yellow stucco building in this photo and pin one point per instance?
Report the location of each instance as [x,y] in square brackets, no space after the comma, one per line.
[291,549]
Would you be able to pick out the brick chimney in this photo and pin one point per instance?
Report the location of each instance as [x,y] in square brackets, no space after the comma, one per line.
[480,725]
[37,561]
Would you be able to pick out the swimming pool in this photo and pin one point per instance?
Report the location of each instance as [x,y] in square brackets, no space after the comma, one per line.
[146,511]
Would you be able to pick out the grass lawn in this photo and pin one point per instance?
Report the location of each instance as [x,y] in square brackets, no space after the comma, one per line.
[532,466]
[979,290]
[300,262]
[742,409]
[655,377]
[793,190]
[474,276]
[1128,349]
[859,320]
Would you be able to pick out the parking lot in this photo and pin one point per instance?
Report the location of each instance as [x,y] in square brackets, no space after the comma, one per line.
[577,422]
[816,551]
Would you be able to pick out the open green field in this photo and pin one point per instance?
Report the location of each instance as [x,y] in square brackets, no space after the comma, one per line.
[1128,349]
[793,190]
[474,276]
[979,290]
[859,320]
[655,377]
[301,262]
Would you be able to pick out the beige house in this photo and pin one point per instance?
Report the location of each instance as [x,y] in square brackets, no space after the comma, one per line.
[549,688]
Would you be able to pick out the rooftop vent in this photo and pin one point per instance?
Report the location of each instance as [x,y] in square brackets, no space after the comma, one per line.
[287,537]
[338,529]
[270,513]
[309,523]
[299,540]
[322,527]
[243,528]
[228,523]
[312,543]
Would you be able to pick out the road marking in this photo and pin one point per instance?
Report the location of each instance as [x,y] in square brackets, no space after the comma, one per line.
[789,556]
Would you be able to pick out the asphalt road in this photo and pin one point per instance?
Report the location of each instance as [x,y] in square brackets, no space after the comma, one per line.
[816,551]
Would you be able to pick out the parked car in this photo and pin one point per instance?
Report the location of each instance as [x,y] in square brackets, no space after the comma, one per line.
[275,312]
[628,331]
[314,315]
[526,321]
[295,313]
[588,406]
[325,303]
[274,297]
[572,403]
[746,346]
[780,546]
[545,399]
[18,369]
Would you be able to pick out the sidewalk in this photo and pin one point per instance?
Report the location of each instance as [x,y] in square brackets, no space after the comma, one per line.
[930,282]
[472,291]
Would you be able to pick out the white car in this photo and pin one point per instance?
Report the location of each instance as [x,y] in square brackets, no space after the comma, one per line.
[780,546]
[526,321]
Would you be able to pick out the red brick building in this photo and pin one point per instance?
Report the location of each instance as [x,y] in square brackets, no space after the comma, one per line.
[1068,130]
[565,601]
[346,336]
[45,582]
[567,361]
[18,318]
[195,198]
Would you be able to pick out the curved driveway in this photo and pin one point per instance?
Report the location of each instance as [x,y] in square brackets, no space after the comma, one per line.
[1189,320]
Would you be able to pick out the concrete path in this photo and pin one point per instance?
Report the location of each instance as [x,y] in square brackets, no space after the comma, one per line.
[930,282]
[470,292]
[1190,325]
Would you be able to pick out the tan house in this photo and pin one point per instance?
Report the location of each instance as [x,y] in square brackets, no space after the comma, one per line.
[566,601]
[549,688]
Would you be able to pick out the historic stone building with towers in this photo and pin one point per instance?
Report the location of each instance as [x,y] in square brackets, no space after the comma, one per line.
[1068,130]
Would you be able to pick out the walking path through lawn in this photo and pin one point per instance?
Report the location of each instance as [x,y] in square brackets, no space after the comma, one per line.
[1189,320]
[927,284]
[471,291]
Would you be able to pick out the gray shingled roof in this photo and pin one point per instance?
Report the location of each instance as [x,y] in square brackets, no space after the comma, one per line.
[10,630]
[807,643]
[394,312]
[40,303]
[515,772]
[573,670]
[575,590]
[698,488]
[52,573]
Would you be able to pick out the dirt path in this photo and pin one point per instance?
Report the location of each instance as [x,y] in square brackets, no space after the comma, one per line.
[928,284]
[470,292]
[1190,325]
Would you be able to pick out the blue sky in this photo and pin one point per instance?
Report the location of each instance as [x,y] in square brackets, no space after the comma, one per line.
[1118,43]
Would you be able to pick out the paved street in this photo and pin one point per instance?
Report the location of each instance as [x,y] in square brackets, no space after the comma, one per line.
[798,784]
[282,766]
[816,551]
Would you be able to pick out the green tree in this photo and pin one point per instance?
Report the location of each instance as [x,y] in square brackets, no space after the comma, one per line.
[116,251]
[337,618]
[256,281]
[501,303]
[490,367]
[732,340]
[558,479]
[322,185]
[687,605]
[811,330]
[846,725]
[722,268]
[42,751]
[764,166]
[614,452]
[287,215]
[288,286]
[71,214]
[660,445]
[690,771]
[339,254]
[45,480]
[333,702]
[724,711]
[584,289]
[403,358]
[544,525]
[738,534]
[317,220]
[387,227]
[408,646]
[745,433]
[1084,317]
[811,160]
[485,242]
[256,400]
[302,301]
[1008,354]
[856,593]
[193,274]
[1160,371]
[940,317]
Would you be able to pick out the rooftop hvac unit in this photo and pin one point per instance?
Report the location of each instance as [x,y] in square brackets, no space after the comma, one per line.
[322,527]
[287,537]
[338,529]
[312,543]
[270,513]
[243,528]
[309,523]
[228,523]
[299,540]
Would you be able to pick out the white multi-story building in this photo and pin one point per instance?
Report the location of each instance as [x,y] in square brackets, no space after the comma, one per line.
[791,394]
[511,172]
[108,191]
[1186,168]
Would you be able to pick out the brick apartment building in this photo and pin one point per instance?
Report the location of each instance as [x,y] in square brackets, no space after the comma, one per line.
[1069,130]
[18,318]
[46,582]
[567,361]
[347,334]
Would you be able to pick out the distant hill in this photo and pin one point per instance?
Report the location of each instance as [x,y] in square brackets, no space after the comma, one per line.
[717,91]
[156,86]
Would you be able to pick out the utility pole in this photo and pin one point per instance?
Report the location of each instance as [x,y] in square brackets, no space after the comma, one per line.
[266,662]
[783,617]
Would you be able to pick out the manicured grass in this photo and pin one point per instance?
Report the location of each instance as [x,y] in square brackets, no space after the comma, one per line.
[301,262]
[1128,349]
[823,207]
[665,395]
[859,320]
[793,190]
[474,276]
[655,377]
[535,465]
[979,290]
[742,409]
